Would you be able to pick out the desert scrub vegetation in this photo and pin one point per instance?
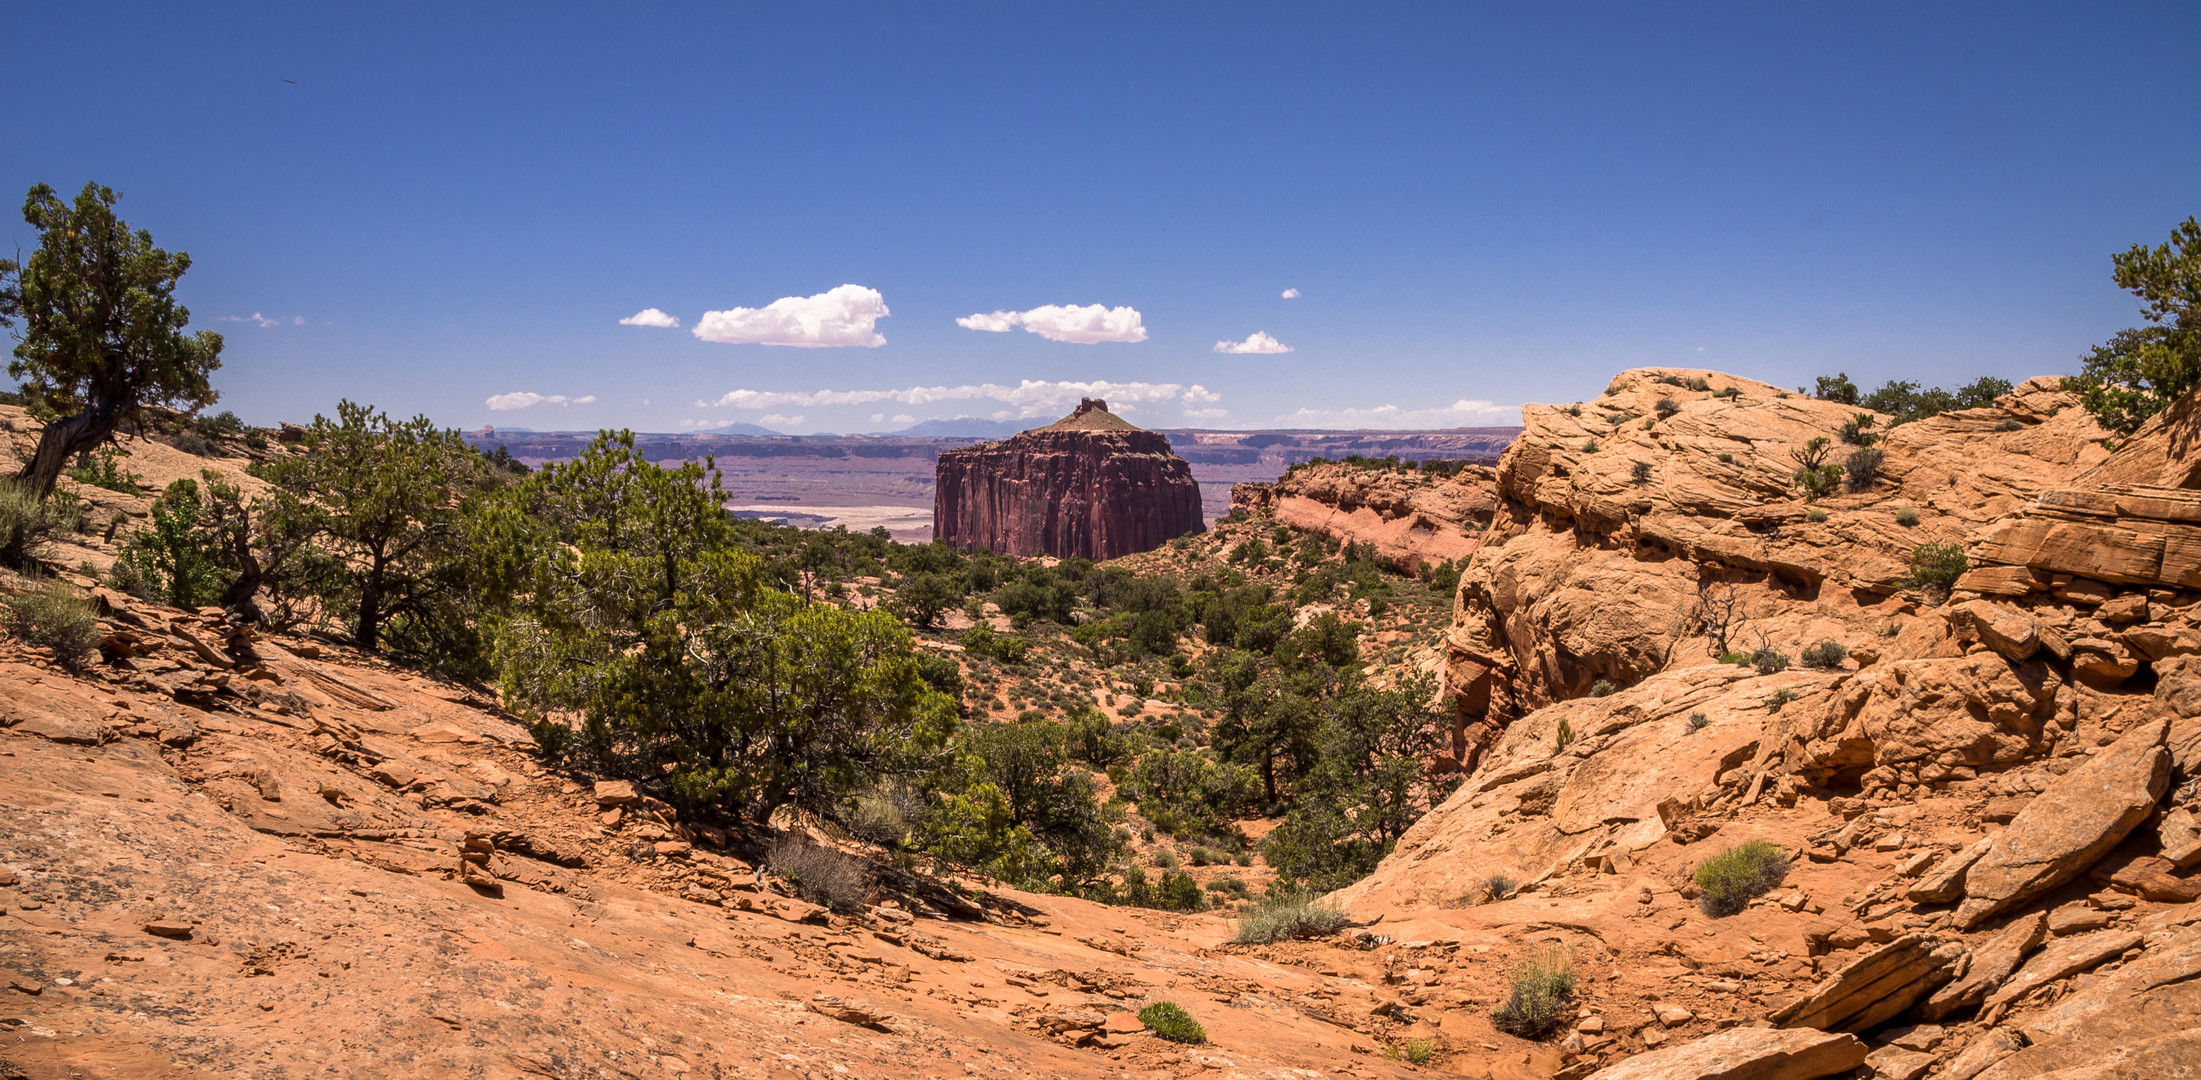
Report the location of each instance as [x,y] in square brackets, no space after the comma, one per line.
[1602,688]
[1936,566]
[1769,661]
[27,523]
[1815,516]
[1542,991]
[1287,917]
[821,875]
[54,616]
[1728,881]
[1562,738]
[1415,1051]
[1640,472]
[1825,656]
[1170,1021]
[1500,886]
[1906,516]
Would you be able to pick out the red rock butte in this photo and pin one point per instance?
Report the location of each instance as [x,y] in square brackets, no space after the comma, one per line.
[1091,484]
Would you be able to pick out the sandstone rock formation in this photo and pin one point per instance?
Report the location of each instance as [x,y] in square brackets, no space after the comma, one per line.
[1746,1054]
[1089,485]
[1412,519]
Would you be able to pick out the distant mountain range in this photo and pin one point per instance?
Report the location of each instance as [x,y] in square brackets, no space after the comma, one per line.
[964,427]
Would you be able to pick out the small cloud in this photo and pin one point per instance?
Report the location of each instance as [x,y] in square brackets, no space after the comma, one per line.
[1259,342]
[261,321]
[1207,414]
[904,418]
[523,400]
[1201,395]
[706,425]
[1086,325]
[877,417]
[776,420]
[1002,414]
[845,316]
[1291,294]
[650,316]
[1031,397]
[1000,322]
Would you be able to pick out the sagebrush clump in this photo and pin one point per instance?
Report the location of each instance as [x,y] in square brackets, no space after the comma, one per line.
[1825,656]
[1728,881]
[1542,992]
[1170,1021]
[1287,917]
[1769,661]
[55,616]
[27,523]
[821,875]
[1936,566]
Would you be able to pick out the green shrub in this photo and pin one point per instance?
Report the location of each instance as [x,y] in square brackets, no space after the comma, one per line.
[103,472]
[1574,409]
[1666,407]
[27,523]
[1769,661]
[1815,515]
[1601,688]
[1726,882]
[1736,657]
[1589,446]
[1172,1022]
[553,737]
[1562,738]
[1862,468]
[1698,722]
[1728,392]
[57,617]
[1780,697]
[1417,1051]
[1906,516]
[1287,916]
[1543,990]
[1640,472]
[1825,656]
[1937,565]
[1166,859]
[1724,458]
[1699,384]
[1500,886]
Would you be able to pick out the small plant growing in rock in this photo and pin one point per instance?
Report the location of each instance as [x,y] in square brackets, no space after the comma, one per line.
[1769,661]
[1815,516]
[1666,407]
[821,875]
[1856,431]
[2008,425]
[1861,469]
[1698,722]
[1601,688]
[1700,384]
[1542,992]
[1736,657]
[1649,423]
[1936,566]
[1589,446]
[1562,738]
[1500,886]
[1728,392]
[1166,859]
[1825,656]
[1724,458]
[1574,409]
[55,616]
[1640,472]
[1906,516]
[1170,1021]
[1728,881]
[1813,474]
[1780,697]
[1417,1051]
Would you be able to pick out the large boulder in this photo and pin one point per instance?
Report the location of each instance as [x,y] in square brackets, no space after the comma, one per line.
[1746,1054]
[2068,827]
[1875,987]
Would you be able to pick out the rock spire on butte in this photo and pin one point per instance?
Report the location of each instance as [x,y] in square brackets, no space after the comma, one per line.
[1091,484]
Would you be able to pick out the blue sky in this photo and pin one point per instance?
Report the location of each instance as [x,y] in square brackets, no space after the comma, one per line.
[1479,205]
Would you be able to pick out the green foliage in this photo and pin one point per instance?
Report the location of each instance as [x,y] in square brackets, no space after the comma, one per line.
[1815,516]
[27,524]
[1601,688]
[1416,1051]
[1728,881]
[1728,392]
[1856,431]
[1541,995]
[1724,458]
[1838,389]
[1698,722]
[1906,516]
[178,556]
[1698,383]
[1055,805]
[1862,468]
[1639,472]
[1769,660]
[54,616]
[1444,579]
[1825,656]
[632,607]
[553,737]
[1666,408]
[2142,370]
[102,334]
[1562,738]
[1286,916]
[382,498]
[1814,476]
[1937,565]
[1904,402]
[1172,1022]
[102,471]
[1736,657]
[1589,446]
[981,641]
[1779,698]
[922,598]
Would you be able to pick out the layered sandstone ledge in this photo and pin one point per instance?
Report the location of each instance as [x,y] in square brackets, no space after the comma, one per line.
[1090,485]
[1412,519]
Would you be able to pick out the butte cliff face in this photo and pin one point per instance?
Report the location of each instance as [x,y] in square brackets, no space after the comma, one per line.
[1089,485]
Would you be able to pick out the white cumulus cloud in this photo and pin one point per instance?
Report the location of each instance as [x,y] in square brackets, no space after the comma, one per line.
[1207,414]
[776,420]
[650,316]
[843,316]
[262,321]
[1461,413]
[1201,395]
[904,418]
[523,399]
[1259,342]
[1291,294]
[1031,397]
[1086,325]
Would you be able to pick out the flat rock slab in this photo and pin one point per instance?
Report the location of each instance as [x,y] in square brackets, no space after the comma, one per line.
[2068,956]
[2074,823]
[1745,1054]
[1991,964]
[1896,1063]
[1873,987]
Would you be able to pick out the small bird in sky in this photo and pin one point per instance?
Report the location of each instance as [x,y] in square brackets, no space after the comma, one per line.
[293,82]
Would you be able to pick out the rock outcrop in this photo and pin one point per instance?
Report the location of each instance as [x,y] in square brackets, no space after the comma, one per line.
[1746,1054]
[1412,519]
[1090,485]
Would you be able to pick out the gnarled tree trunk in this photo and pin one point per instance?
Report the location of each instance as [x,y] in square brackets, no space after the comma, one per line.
[65,438]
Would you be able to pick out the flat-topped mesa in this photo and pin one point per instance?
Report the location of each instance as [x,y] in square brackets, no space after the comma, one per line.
[1091,484]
